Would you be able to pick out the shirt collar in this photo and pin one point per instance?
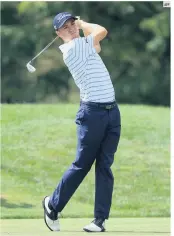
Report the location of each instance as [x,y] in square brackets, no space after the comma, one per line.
[66,47]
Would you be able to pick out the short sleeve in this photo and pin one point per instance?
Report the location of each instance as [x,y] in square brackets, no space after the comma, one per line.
[90,41]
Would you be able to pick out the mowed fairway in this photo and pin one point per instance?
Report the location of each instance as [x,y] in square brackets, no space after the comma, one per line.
[72,227]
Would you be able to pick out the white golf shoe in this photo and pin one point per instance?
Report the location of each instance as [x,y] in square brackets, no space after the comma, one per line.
[97,225]
[50,216]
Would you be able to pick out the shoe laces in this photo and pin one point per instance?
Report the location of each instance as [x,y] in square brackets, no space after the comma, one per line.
[98,221]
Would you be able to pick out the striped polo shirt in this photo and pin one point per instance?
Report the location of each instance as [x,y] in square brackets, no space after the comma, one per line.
[88,70]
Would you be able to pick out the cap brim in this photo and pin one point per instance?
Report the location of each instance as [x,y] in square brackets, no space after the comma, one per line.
[65,19]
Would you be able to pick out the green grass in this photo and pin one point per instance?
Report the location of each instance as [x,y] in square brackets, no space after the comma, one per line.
[73,227]
[38,145]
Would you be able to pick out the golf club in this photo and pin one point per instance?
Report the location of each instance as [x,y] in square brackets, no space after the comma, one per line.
[32,68]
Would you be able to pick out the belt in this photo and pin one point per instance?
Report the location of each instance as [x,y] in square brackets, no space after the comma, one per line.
[107,106]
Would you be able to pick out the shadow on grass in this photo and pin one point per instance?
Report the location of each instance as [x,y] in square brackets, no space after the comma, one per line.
[139,232]
[5,203]
[124,231]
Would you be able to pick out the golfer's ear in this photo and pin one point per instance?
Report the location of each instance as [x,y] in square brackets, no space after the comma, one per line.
[58,33]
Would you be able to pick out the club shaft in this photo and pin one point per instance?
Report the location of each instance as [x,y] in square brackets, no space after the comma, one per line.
[43,50]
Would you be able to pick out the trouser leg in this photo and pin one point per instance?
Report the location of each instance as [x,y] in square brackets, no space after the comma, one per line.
[103,172]
[90,132]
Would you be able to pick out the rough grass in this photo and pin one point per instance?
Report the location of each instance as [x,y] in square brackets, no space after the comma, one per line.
[38,145]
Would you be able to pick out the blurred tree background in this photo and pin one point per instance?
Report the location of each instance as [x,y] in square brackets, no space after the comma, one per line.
[136,52]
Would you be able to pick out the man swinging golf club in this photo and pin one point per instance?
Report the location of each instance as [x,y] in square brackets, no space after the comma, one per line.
[98,121]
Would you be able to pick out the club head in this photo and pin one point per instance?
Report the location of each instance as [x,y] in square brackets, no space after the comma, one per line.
[30,68]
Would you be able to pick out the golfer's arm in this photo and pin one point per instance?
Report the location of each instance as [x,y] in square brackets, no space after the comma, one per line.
[98,32]
[97,47]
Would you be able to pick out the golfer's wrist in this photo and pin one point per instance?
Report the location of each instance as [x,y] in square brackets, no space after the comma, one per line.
[79,23]
[89,27]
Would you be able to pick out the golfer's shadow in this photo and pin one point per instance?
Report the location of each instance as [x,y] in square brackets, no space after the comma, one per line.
[122,231]
[137,232]
[5,203]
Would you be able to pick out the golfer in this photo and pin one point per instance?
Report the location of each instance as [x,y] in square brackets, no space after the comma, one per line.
[98,121]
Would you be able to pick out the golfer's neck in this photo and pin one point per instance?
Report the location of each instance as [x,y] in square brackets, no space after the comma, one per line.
[69,40]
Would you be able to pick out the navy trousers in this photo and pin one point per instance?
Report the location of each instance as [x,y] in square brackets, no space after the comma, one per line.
[98,132]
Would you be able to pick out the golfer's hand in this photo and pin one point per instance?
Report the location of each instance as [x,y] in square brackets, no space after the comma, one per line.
[78,22]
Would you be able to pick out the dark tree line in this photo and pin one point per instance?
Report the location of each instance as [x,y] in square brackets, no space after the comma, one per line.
[136,51]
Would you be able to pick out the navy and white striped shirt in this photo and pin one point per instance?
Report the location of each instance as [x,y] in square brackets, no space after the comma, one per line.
[88,70]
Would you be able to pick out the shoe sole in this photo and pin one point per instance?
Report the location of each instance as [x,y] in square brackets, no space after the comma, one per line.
[43,205]
[89,231]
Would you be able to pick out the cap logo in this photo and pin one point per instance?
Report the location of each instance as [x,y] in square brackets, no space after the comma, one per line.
[63,15]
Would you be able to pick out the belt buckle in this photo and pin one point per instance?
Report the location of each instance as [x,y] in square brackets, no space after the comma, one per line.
[108,107]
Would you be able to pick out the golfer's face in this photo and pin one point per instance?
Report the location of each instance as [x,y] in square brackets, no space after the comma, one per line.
[69,30]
